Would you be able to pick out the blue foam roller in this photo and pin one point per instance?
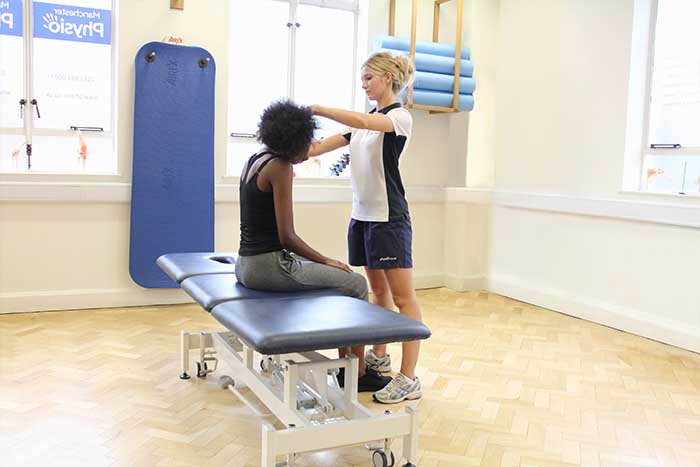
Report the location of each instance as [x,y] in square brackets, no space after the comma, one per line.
[438,64]
[442,99]
[439,82]
[432,48]
[172,190]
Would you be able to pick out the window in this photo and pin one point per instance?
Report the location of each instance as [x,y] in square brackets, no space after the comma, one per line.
[56,87]
[671,152]
[305,50]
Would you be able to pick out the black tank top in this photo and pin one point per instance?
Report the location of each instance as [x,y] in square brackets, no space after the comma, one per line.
[258,223]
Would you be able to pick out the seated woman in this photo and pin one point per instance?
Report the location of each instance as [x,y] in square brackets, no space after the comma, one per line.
[271,255]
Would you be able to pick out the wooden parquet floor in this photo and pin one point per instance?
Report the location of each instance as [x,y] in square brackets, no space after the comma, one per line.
[506,384]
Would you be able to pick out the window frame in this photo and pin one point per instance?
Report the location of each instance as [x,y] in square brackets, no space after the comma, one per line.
[356,7]
[28,129]
[645,148]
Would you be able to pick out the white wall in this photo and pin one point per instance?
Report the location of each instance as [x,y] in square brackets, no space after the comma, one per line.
[467,238]
[472,156]
[64,243]
[562,93]
[483,18]
[145,21]
[558,145]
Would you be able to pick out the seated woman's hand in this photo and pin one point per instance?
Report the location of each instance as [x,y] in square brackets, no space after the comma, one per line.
[338,264]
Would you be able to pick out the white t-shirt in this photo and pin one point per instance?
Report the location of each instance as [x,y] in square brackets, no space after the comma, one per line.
[378,192]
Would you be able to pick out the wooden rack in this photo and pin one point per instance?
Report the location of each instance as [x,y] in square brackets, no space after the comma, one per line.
[436,27]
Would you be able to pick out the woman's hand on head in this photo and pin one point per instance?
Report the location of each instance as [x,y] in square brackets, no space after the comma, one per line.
[338,264]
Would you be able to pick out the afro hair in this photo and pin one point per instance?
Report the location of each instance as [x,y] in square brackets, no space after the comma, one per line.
[287,129]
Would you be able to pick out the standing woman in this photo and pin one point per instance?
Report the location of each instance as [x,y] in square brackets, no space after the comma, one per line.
[380,234]
[272,256]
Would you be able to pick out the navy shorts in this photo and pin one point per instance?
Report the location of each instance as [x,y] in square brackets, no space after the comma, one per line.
[381,245]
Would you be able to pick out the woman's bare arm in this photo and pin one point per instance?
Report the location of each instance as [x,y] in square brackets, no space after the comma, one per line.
[279,174]
[375,122]
[327,145]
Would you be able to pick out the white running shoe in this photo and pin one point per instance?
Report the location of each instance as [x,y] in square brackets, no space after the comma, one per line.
[399,389]
[380,364]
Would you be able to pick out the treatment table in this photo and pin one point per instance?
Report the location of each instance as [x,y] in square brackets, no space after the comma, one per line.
[272,343]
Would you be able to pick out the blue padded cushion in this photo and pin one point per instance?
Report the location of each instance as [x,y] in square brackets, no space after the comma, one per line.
[209,290]
[279,326]
[180,266]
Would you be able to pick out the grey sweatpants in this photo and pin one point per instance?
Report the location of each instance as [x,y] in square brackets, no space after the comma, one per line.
[283,271]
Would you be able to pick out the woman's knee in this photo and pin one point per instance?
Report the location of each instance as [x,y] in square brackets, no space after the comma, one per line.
[404,299]
[381,294]
[358,286]
[381,290]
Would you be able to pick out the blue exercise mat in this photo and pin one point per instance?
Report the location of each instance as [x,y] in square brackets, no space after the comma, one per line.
[437,63]
[431,48]
[439,82]
[172,190]
[442,99]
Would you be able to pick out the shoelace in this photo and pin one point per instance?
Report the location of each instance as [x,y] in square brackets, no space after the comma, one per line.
[395,386]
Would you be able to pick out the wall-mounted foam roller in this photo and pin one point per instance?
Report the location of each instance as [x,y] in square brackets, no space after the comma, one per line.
[435,71]
[431,48]
[442,99]
[442,82]
[437,63]
[172,191]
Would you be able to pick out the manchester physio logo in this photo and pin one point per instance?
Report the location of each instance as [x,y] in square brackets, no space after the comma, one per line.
[51,22]
[11,17]
[71,23]
[59,26]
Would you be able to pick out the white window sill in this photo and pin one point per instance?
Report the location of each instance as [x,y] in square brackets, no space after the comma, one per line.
[69,191]
[305,191]
[683,212]
[58,177]
[692,198]
[300,181]
[658,208]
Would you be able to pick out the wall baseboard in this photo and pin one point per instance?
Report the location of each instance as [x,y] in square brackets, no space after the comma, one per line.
[615,316]
[464,283]
[79,299]
[428,281]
